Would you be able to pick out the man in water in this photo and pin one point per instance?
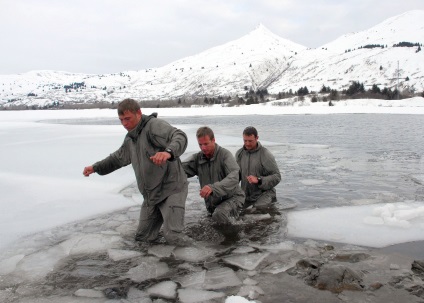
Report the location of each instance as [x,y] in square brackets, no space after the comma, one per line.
[259,171]
[153,147]
[218,174]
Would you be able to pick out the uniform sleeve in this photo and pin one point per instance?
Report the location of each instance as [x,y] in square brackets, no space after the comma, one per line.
[166,136]
[232,176]
[272,174]
[114,161]
[189,166]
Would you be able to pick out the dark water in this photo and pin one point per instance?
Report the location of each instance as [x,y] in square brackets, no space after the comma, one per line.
[333,160]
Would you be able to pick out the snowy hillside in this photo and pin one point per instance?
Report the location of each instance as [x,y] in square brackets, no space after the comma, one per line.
[257,60]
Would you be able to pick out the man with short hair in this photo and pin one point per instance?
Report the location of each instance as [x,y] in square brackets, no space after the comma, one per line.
[153,147]
[218,174]
[259,171]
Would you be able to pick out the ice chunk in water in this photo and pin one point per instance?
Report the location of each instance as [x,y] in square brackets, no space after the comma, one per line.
[251,291]
[90,243]
[237,299]
[136,294]
[39,264]
[89,293]
[222,277]
[193,254]
[189,295]
[193,280]
[8,265]
[279,266]
[150,268]
[276,247]
[312,181]
[119,254]
[161,251]
[373,220]
[246,261]
[165,289]
[243,250]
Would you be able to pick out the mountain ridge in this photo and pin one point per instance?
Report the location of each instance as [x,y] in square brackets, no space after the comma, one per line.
[258,60]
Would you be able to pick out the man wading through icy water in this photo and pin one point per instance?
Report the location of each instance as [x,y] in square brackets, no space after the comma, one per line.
[259,171]
[153,147]
[218,174]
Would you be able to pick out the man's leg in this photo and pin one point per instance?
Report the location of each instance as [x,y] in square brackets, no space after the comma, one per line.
[149,224]
[173,211]
[228,211]
[265,200]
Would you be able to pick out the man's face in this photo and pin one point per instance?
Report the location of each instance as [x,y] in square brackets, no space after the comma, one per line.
[207,146]
[250,142]
[129,120]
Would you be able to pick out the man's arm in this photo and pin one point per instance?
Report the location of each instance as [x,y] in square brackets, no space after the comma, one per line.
[114,161]
[168,137]
[232,175]
[273,175]
[189,166]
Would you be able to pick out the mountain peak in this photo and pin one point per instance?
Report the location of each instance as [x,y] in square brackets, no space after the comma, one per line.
[404,27]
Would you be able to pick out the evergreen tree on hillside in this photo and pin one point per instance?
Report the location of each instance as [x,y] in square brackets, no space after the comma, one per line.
[355,88]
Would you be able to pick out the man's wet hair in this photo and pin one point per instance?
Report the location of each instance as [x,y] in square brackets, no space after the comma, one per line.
[128,105]
[205,131]
[250,130]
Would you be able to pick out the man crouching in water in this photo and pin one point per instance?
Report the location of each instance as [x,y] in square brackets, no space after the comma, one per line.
[218,174]
[153,147]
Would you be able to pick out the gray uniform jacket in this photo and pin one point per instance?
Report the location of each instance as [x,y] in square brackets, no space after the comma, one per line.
[150,136]
[260,163]
[221,173]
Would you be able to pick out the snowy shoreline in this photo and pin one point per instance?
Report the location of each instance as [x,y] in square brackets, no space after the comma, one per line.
[412,106]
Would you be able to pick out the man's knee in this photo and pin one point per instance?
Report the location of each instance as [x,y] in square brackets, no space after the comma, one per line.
[224,215]
[220,216]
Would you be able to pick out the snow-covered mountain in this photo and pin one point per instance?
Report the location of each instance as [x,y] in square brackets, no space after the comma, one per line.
[257,60]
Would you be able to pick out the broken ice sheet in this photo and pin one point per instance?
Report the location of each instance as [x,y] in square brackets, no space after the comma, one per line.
[39,264]
[193,254]
[89,293]
[243,250]
[219,278]
[279,266]
[164,289]
[161,251]
[192,280]
[8,265]
[276,247]
[119,254]
[149,268]
[251,291]
[90,243]
[189,295]
[246,261]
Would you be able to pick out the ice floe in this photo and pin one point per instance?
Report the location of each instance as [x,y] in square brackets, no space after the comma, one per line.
[246,261]
[150,268]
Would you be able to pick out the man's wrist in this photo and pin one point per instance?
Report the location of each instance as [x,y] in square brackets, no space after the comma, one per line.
[169,151]
[259,180]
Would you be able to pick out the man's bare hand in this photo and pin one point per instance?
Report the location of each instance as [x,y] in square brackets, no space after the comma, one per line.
[88,170]
[252,179]
[160,158]
[205,192]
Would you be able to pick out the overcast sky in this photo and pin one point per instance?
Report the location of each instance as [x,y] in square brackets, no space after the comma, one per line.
[108,36]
